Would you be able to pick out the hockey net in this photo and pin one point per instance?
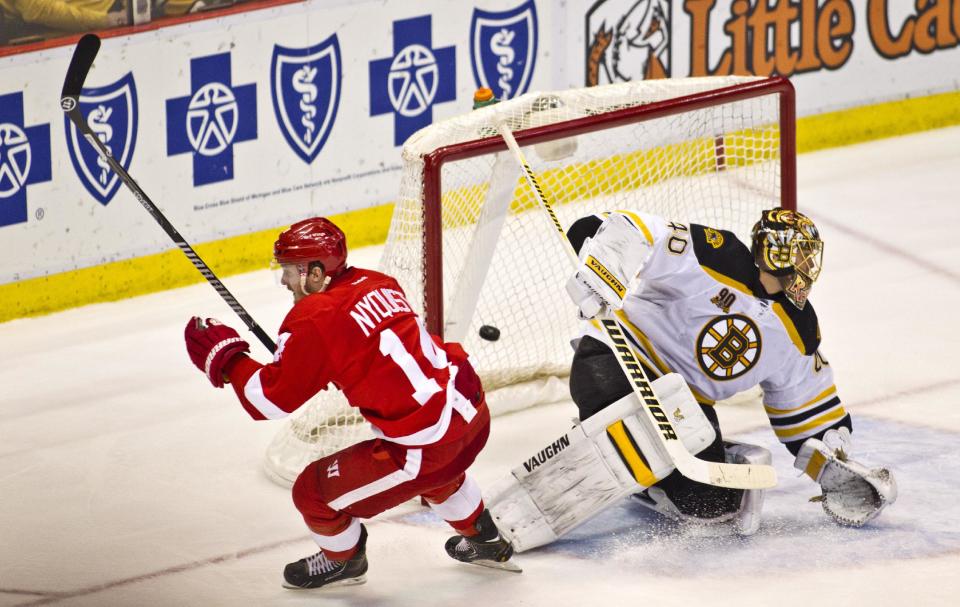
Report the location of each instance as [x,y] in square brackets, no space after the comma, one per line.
[471,248]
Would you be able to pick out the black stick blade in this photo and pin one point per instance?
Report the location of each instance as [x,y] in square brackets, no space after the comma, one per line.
[81,63]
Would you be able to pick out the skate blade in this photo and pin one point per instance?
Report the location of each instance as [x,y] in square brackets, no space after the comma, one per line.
[504,566]
[354,581]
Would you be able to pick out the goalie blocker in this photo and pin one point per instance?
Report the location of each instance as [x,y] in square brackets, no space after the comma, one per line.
[603,459]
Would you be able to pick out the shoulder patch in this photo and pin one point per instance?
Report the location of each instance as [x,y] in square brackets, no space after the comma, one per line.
[802,325]
[721,254]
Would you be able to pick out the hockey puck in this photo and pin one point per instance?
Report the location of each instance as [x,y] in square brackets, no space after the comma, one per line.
[489,333]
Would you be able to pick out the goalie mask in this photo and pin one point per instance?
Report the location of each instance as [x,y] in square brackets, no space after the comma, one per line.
[787,244]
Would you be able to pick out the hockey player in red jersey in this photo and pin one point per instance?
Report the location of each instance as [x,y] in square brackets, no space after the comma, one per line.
[354,328]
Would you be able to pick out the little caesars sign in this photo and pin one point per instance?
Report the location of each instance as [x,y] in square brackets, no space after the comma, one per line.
[645,39]
[759,40]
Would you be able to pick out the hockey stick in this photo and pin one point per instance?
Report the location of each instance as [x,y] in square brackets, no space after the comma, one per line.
[733,476]
[80,65]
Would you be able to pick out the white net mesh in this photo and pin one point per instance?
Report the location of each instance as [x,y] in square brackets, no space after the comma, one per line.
[502,265]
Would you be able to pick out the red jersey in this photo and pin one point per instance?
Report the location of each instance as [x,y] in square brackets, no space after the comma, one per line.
[362,335]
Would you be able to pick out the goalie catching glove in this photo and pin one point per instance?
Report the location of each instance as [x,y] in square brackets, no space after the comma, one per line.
[852,493]
[610,263]
[211,345]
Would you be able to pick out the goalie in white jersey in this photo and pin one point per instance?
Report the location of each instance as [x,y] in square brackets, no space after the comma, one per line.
[695,301]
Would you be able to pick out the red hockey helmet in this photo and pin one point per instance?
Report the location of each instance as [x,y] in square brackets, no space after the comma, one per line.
[314,239]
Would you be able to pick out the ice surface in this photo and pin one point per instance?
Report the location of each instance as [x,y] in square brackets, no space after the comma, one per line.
[127,480]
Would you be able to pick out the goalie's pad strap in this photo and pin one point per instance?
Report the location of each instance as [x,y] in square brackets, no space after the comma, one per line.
[815,466]
[815,454]
[630,453]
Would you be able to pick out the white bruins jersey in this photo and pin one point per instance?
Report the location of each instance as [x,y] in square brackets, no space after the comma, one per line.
[698,309]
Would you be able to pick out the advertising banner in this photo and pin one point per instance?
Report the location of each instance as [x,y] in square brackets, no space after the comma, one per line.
[254,120]
[838,53]
[242,123]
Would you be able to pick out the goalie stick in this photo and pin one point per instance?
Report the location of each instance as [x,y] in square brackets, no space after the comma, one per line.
[733,476]
[80,65]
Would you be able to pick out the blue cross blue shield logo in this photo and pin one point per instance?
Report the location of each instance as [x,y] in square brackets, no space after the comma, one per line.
[24,158]
[413,79]
[306,94]
[111,113]
[215,116]
[503,49]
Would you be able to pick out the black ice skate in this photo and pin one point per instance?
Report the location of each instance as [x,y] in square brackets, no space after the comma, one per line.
[487,548]
[318,571]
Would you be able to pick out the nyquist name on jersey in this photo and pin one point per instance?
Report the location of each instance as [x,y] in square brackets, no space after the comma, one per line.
[376,306]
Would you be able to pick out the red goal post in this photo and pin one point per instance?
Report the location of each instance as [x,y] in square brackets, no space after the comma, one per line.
[434,161]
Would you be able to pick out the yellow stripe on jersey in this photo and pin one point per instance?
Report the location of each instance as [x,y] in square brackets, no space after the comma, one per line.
[824,420]
[639,222]
[663,367]
[815,465]
[636,332]
[734,284]
[790,327]
[649,367]
[832,390]
[630,454]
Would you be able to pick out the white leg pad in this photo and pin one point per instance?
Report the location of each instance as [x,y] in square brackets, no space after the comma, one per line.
[595,464]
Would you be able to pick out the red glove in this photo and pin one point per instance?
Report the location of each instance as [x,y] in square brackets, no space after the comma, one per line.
[211,346]
[467,382]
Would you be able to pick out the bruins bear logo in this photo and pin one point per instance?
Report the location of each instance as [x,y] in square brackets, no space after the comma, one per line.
[728,347]
[714,238]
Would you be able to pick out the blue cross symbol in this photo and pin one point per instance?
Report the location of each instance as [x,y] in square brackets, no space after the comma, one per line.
[416,77]
[211,119]
[24,158]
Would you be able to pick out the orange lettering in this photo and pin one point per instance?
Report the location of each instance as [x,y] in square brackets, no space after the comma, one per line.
[933,26]
[759,22]
[956,18]
[785,58]
[809,60]
[736,28]
[761,35]
[835,24]
[886,44]
[699,11]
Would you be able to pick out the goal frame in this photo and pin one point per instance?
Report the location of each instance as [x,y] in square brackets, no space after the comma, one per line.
[435,160]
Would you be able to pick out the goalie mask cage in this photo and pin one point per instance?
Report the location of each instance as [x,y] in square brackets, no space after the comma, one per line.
[470,246]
